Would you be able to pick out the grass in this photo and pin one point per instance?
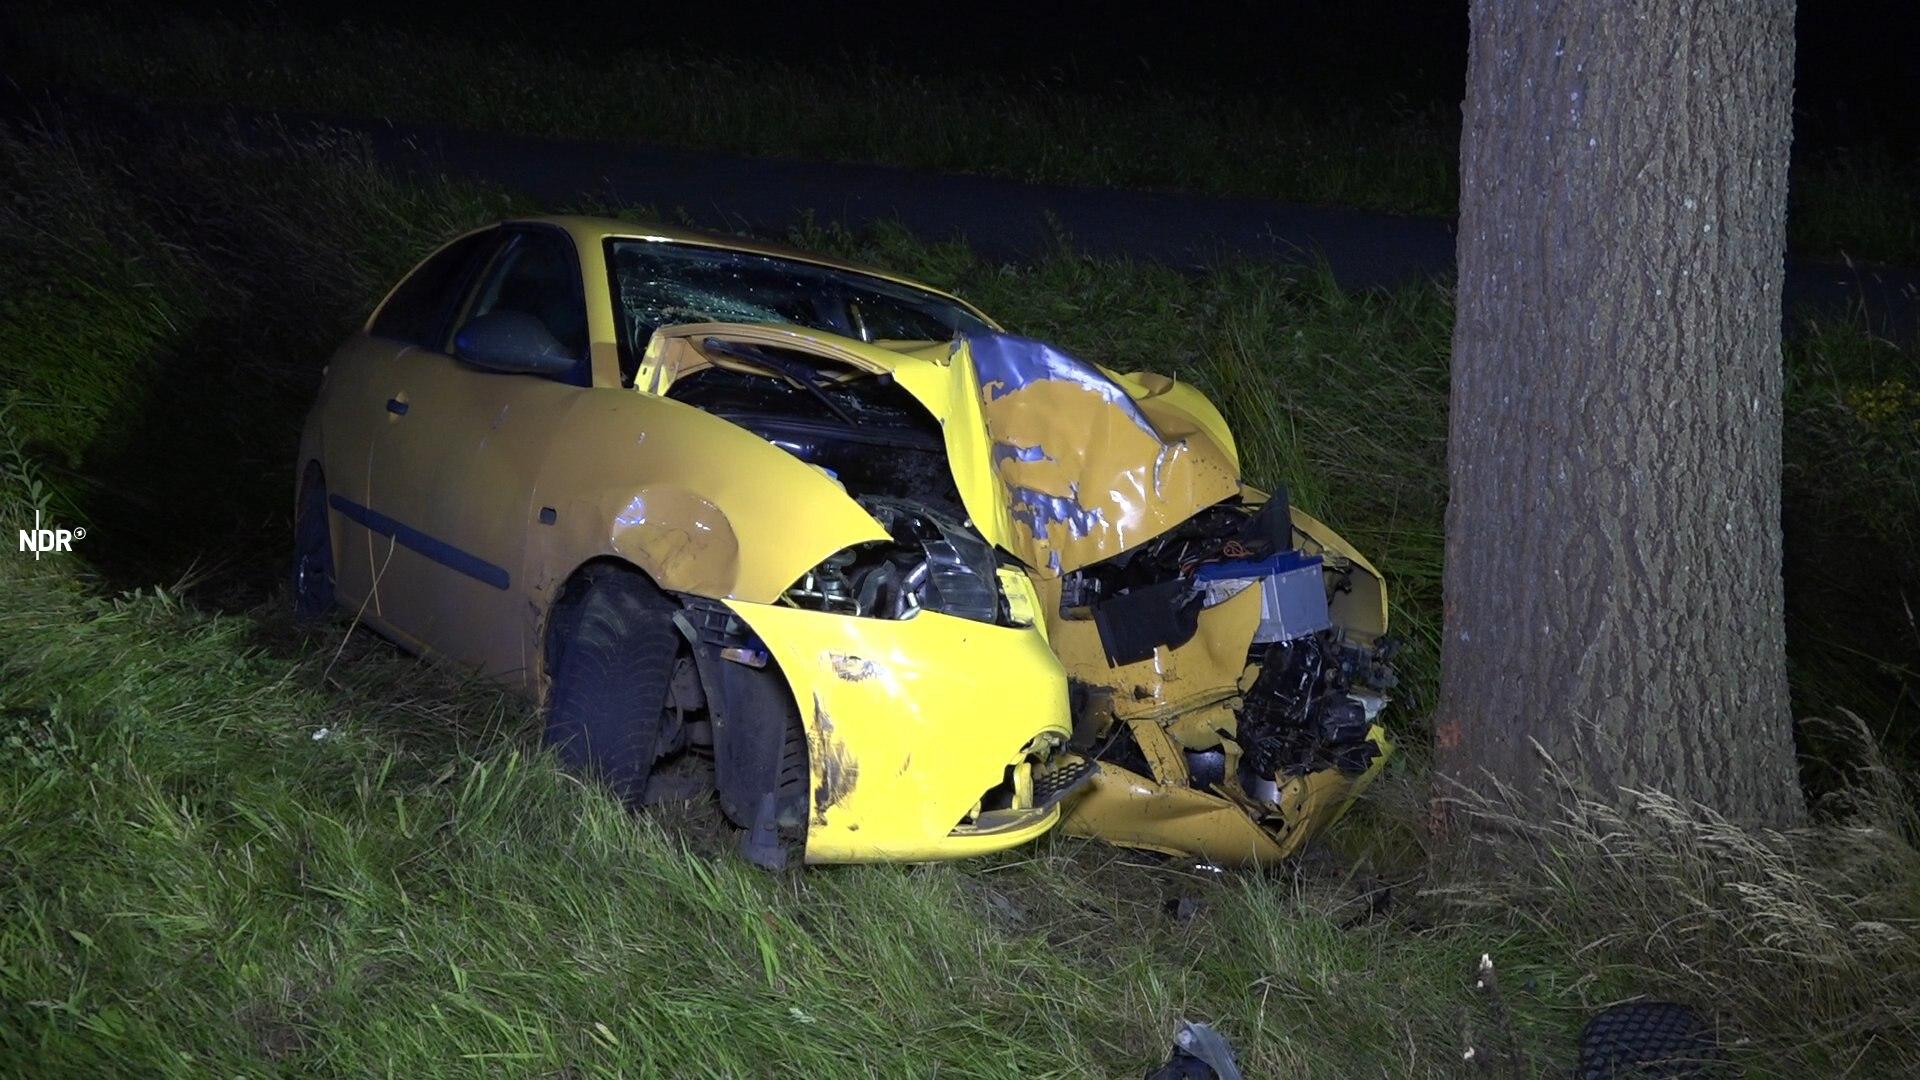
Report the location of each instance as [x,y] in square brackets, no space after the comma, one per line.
[219,861]
[1851,516]
[191,287]
[1395,157]
[1816,923]
[952,119]
[1857,203]
[230,847]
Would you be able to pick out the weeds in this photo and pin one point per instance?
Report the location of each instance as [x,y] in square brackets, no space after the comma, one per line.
[1805,946]
[1857,204]
[25,494]
[220,864]
[216,862]
[168,305]
[1851,515]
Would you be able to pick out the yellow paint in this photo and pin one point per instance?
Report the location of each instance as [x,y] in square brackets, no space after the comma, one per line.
[939,709]
[1125,808]
[1160,813]
[1361,611]
[914,720]
[1127,484]
[1187,693]
[1167,762]
[1175,679]
[1136,484]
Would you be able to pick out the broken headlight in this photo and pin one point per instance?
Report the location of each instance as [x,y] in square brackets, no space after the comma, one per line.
[933,563]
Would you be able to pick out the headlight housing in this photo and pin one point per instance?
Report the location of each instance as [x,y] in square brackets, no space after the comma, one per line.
[934,562]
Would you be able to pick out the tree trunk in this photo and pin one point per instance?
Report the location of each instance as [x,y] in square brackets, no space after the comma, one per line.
[1613,582]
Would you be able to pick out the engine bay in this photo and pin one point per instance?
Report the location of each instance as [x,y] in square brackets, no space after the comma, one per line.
[1234,661]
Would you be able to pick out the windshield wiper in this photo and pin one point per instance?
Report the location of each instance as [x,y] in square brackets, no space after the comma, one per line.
[794,373]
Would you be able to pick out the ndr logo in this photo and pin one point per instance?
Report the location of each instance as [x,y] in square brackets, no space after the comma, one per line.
[39,540]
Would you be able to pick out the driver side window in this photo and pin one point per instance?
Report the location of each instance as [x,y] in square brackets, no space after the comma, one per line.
[537,273]
[419,308]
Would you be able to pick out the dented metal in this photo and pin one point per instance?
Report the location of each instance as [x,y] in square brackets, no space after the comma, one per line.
[922,542]
[1087,466]
[910,722]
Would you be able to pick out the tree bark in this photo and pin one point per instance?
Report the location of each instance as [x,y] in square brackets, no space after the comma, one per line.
[1612,586]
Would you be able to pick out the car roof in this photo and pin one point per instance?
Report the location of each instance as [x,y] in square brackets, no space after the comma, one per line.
[595,230]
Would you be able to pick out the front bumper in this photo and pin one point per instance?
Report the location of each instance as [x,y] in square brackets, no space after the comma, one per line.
[1223,825]
[910,722]
[1189,698]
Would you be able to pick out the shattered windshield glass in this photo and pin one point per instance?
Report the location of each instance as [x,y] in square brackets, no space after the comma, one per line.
[657,283]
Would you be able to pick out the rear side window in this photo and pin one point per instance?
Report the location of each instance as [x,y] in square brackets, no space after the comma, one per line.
[418,311]
[538,274]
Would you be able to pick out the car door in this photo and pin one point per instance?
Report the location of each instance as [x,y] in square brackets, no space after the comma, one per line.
[454,471]
[358,404]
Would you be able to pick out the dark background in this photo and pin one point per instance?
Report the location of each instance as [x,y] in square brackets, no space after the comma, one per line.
[1858,80]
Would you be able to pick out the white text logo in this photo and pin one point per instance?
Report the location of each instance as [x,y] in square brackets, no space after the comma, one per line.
[38,540]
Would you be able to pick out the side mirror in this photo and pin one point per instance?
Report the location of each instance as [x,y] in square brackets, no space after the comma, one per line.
[513,343]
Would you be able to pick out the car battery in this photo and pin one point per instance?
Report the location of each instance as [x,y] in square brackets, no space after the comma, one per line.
[1293,596]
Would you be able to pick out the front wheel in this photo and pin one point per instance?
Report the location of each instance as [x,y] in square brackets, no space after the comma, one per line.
[611,654]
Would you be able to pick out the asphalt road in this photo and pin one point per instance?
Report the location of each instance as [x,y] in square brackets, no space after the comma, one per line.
[1001,219]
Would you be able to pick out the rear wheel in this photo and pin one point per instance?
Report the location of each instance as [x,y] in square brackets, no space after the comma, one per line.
[312,549]
[611,656]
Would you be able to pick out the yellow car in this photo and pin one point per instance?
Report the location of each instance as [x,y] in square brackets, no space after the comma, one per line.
[828,536]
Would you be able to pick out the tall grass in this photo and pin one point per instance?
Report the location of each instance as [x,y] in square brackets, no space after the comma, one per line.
[948,117]
[86,288]
[1851,514]
[1857,202]
[219,862]
[230,848]
[1817,929]
[168,303]
[1316,147]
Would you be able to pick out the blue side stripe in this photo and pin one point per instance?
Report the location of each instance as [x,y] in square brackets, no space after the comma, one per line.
[414,540]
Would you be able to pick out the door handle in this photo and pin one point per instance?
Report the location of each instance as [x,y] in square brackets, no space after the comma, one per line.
[396,406]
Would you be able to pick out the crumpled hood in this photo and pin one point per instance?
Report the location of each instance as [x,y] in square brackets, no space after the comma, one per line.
[1058,461]
[1085,463]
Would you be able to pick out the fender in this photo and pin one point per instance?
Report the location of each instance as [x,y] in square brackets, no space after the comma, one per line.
[681,494]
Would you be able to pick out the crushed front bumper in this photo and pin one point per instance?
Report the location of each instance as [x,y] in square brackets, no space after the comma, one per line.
[1240,741]
[1221,825]
[928,738]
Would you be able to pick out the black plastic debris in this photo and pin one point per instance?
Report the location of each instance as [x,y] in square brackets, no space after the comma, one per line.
[1182,909]
[1199,1053]
[1646,1039]
[1271,528]
[1378,903]
[760,844]
[1135,622]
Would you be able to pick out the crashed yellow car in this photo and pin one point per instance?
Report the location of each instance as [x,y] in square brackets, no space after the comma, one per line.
[897,585]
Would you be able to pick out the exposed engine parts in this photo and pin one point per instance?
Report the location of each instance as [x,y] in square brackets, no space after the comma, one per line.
[934,562]
[1236,733]
[882,447]
[1313,702]
[1226,531]
[1300,717]
[1310,708]
[863,430]
[1153,595]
